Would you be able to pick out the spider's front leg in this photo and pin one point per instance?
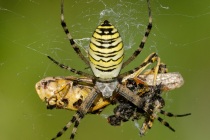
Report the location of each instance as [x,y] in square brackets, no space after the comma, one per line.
[70,38]
[130,96]
[81,112]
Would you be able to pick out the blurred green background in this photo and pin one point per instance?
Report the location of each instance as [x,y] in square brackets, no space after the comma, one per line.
[30,30]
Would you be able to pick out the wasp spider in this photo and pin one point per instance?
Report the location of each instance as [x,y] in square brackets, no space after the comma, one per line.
[105,58]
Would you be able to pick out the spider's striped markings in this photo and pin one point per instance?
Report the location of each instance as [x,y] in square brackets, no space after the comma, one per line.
[106,57]
[106,52]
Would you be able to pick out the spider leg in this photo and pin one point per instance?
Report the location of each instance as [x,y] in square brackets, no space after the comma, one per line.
[154,116]
[150,111]
[141,46]
[173,115]
[151,116]
[136,71]
[165,123]
[169,115]
[128,94]
[71,40]
[144,128]
[83,109]
[149,122]
[60,133]
[71,69]
[81,81]
[150,119]
[146,124]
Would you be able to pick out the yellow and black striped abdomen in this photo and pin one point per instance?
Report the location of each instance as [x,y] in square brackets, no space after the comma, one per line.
[106,51]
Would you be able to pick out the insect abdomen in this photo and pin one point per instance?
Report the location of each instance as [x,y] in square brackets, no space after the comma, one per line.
[106,51]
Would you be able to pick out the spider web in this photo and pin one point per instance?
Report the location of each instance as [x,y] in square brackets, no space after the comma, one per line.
[130,18]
